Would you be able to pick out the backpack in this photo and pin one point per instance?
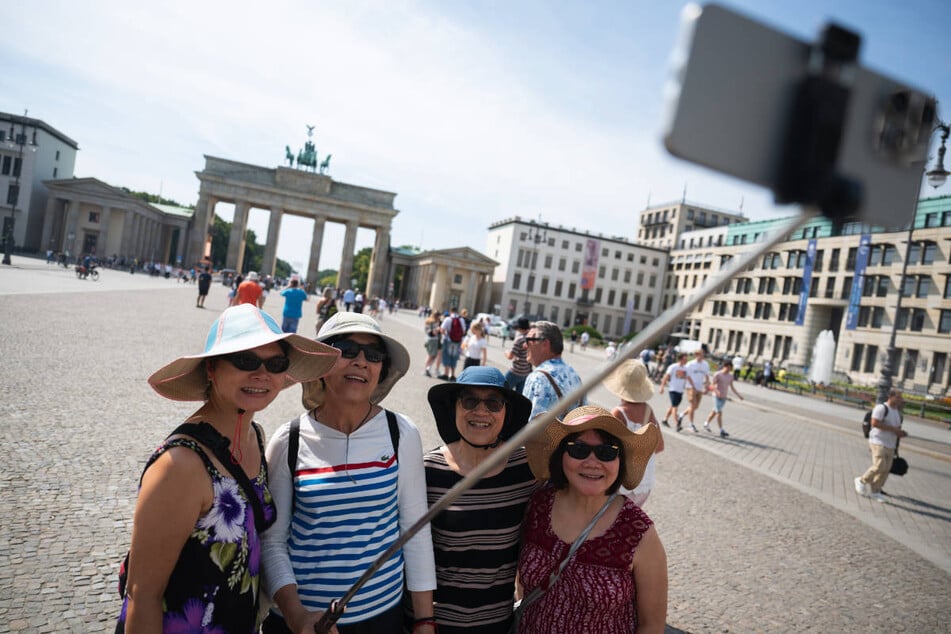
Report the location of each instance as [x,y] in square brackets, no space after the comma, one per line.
[328,310]
[867,421]
[456,330]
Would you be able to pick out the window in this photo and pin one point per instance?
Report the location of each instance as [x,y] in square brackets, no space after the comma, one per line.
[578,247]
[611,298]
[931,220]
[924,286]
[918,319]
[944,325]
[649,303]
[601,272]
[871,354]
[627,276]
[617,255]
[572,287]
[564,245]
[561,264]
[614,275]
[575,266]
[13,194]
[846,288]
[640,278]
[643,259]
[834,260]
[547,261]
[882,286]
[457,278]
[947,287]
[652,281]
[530,286]
[57,155]
[597,294]
[858,350]
[889,254]
[623,299]
[7,163]
[516,281]
[850,259]
[878,316]
[901,319]
[558,285]
[928,254]
[911,361]
[94,218]
[604,252]
[544,289]
[637,301]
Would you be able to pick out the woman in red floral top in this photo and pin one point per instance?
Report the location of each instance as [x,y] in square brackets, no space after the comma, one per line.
[617,579]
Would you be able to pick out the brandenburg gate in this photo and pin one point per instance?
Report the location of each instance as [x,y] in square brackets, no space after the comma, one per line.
[285,190]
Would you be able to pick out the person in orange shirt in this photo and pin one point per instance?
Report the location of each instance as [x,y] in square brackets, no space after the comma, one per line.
[249,292]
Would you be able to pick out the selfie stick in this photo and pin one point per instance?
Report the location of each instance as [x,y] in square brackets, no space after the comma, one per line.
[658,327]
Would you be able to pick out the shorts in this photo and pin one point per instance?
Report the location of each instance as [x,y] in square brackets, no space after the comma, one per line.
[432,346]
[471,362]
[290,324]
[450,354]
[718,404]
[675,398]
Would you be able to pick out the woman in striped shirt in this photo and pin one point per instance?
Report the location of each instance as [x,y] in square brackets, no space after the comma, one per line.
[477,538]
[355,483]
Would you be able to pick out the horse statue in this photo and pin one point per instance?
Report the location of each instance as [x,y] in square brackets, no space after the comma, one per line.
[289,155]
[307,157]
[325,164]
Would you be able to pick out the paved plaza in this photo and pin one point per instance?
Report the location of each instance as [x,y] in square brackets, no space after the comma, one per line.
[763,530]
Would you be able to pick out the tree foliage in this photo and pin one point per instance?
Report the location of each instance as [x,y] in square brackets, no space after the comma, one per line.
[361,269]
[253,252]
[152,198]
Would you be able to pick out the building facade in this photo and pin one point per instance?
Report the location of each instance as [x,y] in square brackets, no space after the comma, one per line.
[661,226]
[31,152]
[858,282]
[574,277]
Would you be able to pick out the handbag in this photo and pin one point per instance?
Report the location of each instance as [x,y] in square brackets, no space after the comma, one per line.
[538,592]
[899,465]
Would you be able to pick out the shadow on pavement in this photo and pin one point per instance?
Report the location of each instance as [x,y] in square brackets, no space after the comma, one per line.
[733,440]
[920,508]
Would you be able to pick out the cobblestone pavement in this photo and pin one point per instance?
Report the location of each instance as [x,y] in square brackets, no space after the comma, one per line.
[763,531]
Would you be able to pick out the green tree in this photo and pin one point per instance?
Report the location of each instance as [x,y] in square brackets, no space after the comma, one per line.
[361,268]
[220,236]
[152,198]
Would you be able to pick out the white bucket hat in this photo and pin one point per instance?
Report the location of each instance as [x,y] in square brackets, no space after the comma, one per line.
[241,328]
[349,323]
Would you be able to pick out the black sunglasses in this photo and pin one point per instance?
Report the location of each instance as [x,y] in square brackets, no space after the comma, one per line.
[249,362]
[580,451]
[534,338]
[349,349]
[492,404]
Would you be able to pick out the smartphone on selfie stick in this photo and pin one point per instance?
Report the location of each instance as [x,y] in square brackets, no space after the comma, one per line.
[804,119]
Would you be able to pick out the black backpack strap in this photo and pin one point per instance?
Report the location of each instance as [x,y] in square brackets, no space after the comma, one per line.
[293,447]
[211,438]
[394,432]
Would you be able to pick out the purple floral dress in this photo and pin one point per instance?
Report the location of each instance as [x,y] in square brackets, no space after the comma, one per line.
[213,588]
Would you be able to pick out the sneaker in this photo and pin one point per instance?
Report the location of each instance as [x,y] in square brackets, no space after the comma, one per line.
[723,433]
[860,487]
[694,429]
[427,372]
[679,426]
[707,427]
[443,377]
[877,496]
[664,423]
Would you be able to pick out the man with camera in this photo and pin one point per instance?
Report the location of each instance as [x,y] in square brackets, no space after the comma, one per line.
[883,443]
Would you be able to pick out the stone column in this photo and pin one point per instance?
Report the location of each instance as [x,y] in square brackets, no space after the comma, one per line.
[469,299]
[201,221]
[313,265]
[180,246]
[235,257]
[47,230]
[345,272]
[376,278]
[125,243]
[72,225]
[270,245]
[103,242]
[439,295]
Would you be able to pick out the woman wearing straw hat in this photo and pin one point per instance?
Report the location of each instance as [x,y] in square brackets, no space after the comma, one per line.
[354,482]
[609,564]
[630,382]
[194,559]
[476,539]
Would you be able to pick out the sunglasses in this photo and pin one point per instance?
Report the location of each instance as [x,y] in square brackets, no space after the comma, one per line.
[492,404]
[534,338]
[249,362]
[349,349]
[580,451]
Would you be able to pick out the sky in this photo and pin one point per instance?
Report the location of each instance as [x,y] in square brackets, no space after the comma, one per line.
[471,112]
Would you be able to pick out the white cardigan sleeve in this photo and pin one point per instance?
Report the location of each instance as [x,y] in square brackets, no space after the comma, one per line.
[411,489]
[275,558]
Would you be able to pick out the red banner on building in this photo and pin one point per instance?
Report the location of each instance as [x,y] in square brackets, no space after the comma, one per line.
[589,272]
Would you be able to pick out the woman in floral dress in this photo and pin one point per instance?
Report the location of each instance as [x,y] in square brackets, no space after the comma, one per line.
[194,563]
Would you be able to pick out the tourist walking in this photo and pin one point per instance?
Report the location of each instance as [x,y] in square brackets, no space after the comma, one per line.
[676,377]
[475,346]
[883,440]
[204,285]
[294,298]
[698,384]
[722,384]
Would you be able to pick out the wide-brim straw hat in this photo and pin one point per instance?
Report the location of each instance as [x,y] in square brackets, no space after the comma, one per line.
[348,323]
[630,382]
[638,445]
[442,400]
[240,328]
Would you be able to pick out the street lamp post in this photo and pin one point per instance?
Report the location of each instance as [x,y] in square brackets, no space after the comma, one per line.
[535,236]
[936,178]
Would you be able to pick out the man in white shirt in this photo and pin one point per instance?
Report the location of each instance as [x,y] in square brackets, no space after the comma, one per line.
[676,376]
[698,383]
[883,443]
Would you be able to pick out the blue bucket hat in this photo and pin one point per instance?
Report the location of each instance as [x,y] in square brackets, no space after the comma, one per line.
[442,400]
